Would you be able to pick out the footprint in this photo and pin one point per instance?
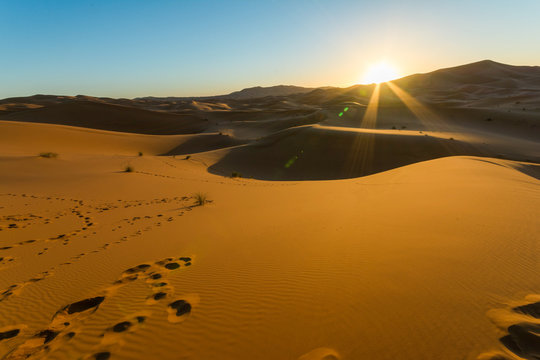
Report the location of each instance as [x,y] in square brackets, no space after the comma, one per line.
[180,309]
[47,335]
[104,355]
[42,341]
[529,309]
[69,317]
[39,343]
[523,338]
[15,289]
[9,334]
[172,266]
[159,295]
[137,269]
[114,334]
[83,305]
[4,260]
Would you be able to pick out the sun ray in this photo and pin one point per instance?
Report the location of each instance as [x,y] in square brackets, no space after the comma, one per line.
[361,155]
[370,116]
[428,118]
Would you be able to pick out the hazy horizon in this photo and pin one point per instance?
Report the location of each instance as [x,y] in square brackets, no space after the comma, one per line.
[137,49]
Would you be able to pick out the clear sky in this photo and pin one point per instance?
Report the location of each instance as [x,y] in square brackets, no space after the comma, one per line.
[183,47]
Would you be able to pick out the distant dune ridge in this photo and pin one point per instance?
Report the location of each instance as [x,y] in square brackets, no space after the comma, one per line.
[483,109]
[248,93]
[280,90]
[393,221]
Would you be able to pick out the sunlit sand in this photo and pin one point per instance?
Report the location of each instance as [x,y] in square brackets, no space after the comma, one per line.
[386,221]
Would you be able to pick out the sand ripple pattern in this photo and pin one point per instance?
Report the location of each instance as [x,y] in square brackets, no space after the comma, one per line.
[69,321]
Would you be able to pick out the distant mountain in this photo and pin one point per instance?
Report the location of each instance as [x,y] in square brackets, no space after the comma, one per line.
[248,93]
[259,92]
[483,81]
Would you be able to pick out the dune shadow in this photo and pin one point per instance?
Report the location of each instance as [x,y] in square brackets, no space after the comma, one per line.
[317,153]
[204,142]
[532,170]
[102,116]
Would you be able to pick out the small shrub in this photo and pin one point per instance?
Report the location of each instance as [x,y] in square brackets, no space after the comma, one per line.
[128,169]
[451,138]
[235,174]
[140,153]
[187,157]
[48,155]
[200,199]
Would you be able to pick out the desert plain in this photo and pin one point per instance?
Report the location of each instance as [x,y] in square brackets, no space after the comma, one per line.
[390,221]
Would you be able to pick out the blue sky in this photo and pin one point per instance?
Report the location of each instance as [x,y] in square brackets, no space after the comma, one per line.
[180,48]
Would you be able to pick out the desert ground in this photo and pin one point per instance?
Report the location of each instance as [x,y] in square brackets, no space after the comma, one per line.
[392,221]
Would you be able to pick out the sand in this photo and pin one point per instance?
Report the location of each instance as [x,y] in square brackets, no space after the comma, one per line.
[429,253]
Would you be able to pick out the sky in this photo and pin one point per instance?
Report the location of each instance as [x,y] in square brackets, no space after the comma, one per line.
[194,48]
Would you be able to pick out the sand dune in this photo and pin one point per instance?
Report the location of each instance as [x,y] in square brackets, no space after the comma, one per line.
[43,138]
[322,152]
[433,255]
[484,72]
[347,269]
[102,116]
[31,139]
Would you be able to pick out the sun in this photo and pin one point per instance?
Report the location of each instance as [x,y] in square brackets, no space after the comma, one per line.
[379,72]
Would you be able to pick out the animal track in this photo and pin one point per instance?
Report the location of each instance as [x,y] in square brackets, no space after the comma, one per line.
[9,334]
[523,339]
[67,322]
[83,212]
[529,309]
[4,260]
[16,288]
[180,307]
[104,355]
[68,318]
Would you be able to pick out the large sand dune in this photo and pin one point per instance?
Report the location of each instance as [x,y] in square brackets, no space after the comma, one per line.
[322,152]
[97,115]
[434,255]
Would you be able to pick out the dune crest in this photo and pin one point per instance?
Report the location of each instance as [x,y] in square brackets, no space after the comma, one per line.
[193,228]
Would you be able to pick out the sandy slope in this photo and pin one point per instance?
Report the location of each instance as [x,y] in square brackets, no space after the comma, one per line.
[99,115]
[480,109]
[67,140]
[421,262]
[432,256]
